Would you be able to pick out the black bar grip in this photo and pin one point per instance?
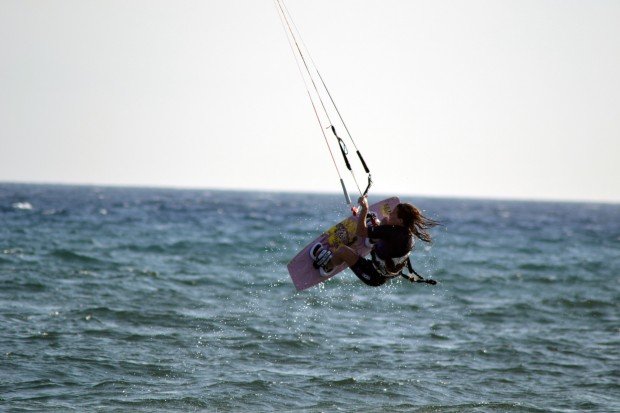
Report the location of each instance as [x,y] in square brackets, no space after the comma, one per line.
[345,151]
[363,163]
[333,130]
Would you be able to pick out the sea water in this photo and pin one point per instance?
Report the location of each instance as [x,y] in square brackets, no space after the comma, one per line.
[124,299]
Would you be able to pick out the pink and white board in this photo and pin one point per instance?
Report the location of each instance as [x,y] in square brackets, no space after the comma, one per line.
[303,273]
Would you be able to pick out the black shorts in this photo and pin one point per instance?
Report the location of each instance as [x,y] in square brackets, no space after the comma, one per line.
[367,272]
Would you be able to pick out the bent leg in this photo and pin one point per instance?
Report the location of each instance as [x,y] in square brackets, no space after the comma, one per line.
[345,254]
[361,267]
[365,271]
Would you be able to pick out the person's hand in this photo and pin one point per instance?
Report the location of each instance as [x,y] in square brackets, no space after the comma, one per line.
[363,201]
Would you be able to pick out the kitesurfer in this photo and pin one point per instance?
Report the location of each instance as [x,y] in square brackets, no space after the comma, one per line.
[392,240]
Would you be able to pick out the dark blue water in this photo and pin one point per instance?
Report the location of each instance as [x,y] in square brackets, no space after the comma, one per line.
[168,300]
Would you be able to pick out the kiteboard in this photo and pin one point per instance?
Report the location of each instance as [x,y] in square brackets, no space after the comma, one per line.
[303,273]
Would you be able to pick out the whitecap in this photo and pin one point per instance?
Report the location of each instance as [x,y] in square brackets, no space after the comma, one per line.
[22,205]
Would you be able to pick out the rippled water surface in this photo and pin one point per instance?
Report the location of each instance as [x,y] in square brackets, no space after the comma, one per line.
[170,300]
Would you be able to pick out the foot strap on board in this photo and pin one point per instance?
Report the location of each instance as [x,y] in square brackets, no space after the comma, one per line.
[320,256]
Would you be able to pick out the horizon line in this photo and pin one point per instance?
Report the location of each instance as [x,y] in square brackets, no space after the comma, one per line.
[308,191]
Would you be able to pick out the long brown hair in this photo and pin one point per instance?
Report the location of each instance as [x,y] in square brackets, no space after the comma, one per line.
[415,221]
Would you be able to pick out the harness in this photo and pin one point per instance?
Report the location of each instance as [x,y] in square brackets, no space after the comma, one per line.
[381,267]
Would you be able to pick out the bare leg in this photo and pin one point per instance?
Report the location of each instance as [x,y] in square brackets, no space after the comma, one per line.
[344,254]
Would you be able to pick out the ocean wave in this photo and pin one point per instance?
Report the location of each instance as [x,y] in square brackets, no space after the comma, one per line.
[110,384]
[154,248]
[178,247]
[165,403]
[28,285]
[580,303]
[72,256]
[55,212]
[184,309]
[541,266]
[22,206]
[500,407]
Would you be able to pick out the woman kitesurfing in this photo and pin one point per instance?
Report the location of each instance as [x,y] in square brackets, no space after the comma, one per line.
[392,240]
[388,240]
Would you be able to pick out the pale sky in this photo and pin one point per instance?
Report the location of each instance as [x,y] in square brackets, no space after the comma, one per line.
[497,99]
